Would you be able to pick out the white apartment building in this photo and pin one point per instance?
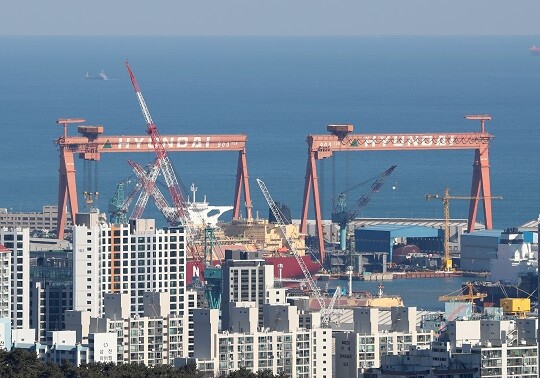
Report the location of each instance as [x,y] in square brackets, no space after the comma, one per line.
[5,282]
[435,362]
[474,348]
[87,295]
[279,346]
[132,258]
[363,348]
[18,241]
[501,348]
[155,337]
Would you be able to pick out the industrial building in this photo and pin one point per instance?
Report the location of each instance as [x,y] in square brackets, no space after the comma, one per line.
[383,238]
[46,220]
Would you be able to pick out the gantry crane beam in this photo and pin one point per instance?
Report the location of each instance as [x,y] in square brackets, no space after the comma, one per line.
[341,139]
[91,145]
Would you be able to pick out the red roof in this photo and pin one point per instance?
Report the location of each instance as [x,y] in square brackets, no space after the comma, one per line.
[4,249]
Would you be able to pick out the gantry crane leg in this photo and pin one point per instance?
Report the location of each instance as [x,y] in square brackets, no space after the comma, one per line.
[242,180]
[245,183]
[318,213]
[312,181]
[307,192]
[480,187]
[67,189]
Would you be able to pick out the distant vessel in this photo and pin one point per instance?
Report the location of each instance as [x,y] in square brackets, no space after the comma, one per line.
[251,236]
[101,76]
[286,267]
[534,50]
[360,299]
[201,213]
[514,273]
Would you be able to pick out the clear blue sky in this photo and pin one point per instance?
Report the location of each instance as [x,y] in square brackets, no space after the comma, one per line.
[270,17]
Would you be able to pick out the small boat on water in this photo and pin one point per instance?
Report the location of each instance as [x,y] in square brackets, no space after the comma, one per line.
[101,76]
[534,50]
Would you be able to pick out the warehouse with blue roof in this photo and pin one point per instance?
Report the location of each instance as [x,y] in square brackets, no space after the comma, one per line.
[383,237]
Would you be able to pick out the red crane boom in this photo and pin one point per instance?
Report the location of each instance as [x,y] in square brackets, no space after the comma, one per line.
[162,158]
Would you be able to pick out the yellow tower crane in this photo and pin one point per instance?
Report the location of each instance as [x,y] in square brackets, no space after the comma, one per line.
[447,262]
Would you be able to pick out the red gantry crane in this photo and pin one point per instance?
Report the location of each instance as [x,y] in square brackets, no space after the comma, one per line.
[91,144]
[342,139]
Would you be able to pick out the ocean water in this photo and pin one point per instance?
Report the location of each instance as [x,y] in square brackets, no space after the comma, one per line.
[277,91]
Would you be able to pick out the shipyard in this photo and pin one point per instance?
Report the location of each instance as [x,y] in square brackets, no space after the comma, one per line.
[301,203]
[274,275]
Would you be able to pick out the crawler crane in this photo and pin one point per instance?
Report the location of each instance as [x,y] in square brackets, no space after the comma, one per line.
[162,161]
[326,311]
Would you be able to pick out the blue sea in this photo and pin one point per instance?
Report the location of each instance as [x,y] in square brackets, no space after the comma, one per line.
[277,91]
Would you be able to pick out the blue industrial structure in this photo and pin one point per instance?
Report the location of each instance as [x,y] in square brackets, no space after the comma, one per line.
[381,238]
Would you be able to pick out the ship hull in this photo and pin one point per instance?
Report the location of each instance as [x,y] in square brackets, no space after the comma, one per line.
[496,291]
[290,267]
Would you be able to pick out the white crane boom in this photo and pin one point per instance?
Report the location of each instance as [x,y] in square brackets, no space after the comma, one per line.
[146,180]
[325,312]
[147,186]
[161,153]
[336,295]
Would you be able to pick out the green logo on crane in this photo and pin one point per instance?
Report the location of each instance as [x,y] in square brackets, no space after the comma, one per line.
[107,144]
[354,143]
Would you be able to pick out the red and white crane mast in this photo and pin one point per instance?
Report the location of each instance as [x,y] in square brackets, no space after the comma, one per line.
[149,187]
[161,153]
